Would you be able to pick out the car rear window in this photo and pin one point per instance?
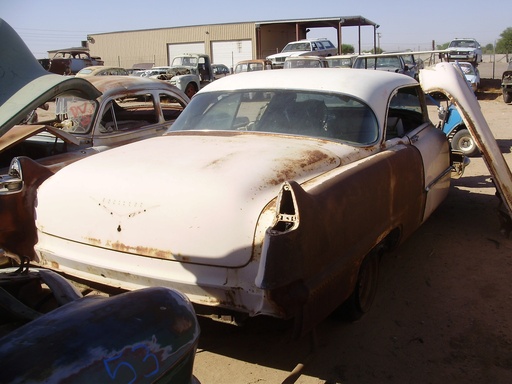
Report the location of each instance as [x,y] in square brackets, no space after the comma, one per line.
[337,117]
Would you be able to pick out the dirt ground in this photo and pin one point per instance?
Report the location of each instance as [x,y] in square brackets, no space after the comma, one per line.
[442,312]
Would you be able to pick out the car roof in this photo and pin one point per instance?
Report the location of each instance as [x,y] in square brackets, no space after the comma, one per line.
[93,69]
[98,67]
[110,85]
[254,61]
[373,87]
[311,58]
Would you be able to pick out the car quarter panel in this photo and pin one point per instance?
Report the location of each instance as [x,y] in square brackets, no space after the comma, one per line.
[339,220]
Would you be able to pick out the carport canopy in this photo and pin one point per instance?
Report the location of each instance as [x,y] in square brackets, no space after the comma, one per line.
[301,25]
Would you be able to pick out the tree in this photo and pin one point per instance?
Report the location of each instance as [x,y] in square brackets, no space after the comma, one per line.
[488,49]
[442,46]
[347,48]
[504,44]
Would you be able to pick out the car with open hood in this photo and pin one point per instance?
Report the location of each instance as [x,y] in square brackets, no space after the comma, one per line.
[66,333]
[270,200]
[274,193]
[116,111]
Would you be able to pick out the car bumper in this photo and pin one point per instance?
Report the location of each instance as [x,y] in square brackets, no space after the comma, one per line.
[203,285]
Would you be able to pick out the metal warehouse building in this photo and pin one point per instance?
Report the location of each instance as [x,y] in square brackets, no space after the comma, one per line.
[224,43]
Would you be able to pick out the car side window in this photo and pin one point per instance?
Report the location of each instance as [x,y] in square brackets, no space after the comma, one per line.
[328,45]
[129,113]
[171,106]
[406,111]
[74,114]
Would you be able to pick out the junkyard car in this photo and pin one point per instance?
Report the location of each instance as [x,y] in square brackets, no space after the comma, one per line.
[253,65]
[146,336]
[102,70]
[384,62]
[272,194]
[70,61]
[415,64]
[465,49]
[281,190]
[471,73]
[341,61]
[506,84]
[220,70]
[127,109]
[305,62]
[305,47]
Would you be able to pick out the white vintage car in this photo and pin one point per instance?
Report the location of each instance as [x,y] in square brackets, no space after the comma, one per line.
[274,193]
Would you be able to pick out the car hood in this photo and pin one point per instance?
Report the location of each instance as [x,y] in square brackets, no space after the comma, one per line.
[446,79]
[19,133]
[25,83]
[193,197]
[289,54]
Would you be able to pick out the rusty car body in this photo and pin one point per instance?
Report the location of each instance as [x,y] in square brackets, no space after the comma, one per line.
[125,109]
[253,65]
[102,70]
[305,62]
[71,61]
[294,182]
[273,193]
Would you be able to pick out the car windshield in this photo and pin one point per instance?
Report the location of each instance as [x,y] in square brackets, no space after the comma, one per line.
[85,71]
[466,68]
[300,63]
[381,62]
[339,62]
[305,46]
[184,62]
[463,44]
[338,117]
[249,67]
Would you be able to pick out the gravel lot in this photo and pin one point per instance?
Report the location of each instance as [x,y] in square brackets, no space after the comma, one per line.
[442,313]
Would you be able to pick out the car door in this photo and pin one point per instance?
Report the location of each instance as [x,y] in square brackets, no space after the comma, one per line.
[408,111]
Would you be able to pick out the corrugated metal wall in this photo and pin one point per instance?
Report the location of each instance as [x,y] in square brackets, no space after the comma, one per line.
[150,46]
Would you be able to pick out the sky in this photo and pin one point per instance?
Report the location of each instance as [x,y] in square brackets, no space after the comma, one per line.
[404,25]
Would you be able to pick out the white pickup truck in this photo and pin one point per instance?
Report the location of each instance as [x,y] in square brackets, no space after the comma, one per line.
[189,72]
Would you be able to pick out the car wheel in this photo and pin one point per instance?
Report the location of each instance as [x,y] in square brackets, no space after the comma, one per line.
[190,90]
[361,299]
[507,97]
[463,141]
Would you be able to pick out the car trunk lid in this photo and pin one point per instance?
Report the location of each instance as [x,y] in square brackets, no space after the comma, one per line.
[198,201]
